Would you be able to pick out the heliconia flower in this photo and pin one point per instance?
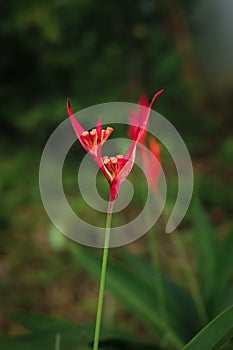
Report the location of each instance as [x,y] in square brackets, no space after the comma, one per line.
[150,165]
[116,168]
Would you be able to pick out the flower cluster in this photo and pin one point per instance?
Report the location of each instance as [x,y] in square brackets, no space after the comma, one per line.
[118,167]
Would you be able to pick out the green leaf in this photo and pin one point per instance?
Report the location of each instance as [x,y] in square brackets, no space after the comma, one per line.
[216,334]
[39,322]
[206,248]
[138,297]
[224,271]
[179,302]
[73,336]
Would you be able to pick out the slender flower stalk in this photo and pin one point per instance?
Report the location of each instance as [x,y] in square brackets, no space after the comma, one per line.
[103,277]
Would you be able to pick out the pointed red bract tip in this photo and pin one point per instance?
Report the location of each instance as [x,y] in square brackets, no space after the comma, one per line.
[69,107]
[155,97]
[76,126]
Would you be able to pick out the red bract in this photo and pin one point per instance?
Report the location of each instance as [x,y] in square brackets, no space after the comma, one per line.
[138,121]
[117,168]
[90,140]
[151,166]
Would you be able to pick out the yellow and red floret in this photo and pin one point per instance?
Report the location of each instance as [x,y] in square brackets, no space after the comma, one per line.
[113,165]
[92,139]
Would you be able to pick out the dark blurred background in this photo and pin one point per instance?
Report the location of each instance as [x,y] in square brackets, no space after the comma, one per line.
[95,52]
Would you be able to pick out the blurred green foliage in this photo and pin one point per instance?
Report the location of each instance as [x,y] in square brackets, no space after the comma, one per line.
[96,53]
[133,280]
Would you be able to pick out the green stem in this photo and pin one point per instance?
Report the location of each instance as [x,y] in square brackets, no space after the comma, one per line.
[57,341]
[190,278]
[158,282]
[152,246]
[103,277]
